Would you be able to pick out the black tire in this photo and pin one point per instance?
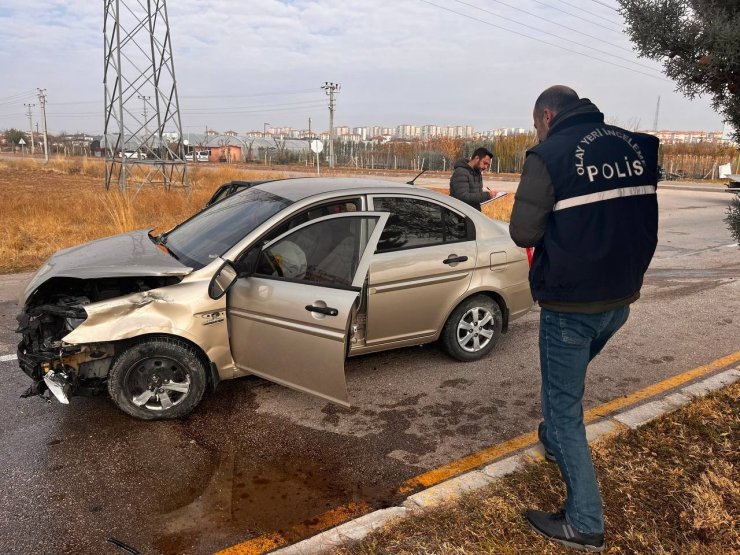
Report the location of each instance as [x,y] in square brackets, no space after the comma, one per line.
[158,379]
[480,339]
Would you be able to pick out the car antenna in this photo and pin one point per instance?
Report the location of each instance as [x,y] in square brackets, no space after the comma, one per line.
[414,179]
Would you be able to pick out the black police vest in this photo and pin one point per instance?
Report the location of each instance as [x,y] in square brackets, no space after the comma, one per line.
[603,230]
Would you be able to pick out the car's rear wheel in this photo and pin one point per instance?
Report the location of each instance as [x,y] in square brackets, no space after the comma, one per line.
[473,328]
[158,378]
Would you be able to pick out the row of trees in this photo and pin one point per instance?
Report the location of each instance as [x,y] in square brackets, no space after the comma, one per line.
[64,143]
[697,161]
[438,154]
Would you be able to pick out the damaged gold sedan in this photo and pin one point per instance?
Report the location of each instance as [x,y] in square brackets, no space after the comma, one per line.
[283,280]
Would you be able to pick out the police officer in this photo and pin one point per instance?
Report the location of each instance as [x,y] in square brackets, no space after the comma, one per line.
[587,203]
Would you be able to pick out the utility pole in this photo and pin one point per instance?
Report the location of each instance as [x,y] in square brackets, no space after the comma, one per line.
[655,121]
[144,99]
[331,89]
[30,126]
[42,103]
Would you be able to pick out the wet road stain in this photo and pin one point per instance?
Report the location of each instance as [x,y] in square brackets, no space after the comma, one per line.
[289,484]
[290,497]
[409,402]
[459,383]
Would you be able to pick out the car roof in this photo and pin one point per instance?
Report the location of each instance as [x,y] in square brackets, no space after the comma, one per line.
[298,188]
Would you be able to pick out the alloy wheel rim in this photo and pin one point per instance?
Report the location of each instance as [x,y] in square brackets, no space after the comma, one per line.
[475,329]
[157,383]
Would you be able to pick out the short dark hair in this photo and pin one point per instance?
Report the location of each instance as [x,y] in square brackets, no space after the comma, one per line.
[481,153]
[555,98]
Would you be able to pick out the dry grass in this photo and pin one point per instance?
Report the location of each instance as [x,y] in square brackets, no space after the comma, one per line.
[672,487]
[46,207]
[499,209]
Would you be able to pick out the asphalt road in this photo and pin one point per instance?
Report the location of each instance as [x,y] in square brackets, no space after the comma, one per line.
[256,457]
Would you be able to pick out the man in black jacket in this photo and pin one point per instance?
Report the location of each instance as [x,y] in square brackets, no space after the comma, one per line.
[466,182]
[587,203]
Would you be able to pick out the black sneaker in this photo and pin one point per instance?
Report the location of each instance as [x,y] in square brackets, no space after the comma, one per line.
[554,526]
[549,455]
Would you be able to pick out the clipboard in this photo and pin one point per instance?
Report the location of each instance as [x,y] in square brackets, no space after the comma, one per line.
[497,195]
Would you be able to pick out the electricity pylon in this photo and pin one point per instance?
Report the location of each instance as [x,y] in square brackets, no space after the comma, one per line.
[141,147]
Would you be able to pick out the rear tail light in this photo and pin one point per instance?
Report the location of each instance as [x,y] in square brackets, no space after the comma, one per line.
[530,254]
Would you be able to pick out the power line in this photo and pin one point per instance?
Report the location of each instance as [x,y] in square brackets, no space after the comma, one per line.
[618,23]
[558,36]
[563,26]
[203,96]
[578,17]
[280,93]
[17,98]
[606,5]
[22,94]
[543,41]
[208,111]
[308,103]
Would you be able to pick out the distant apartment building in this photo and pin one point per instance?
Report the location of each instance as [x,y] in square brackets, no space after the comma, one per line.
[279,132]
[306,134]
[363,132]
[457,131]
[430,131]
[341,130]
[690,137]
[407,131]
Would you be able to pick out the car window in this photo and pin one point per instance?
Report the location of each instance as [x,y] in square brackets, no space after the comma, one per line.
[319,211]
[418,223]
[215,230]
[325,253]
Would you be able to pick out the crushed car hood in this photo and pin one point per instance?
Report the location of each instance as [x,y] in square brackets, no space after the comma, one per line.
[126,255]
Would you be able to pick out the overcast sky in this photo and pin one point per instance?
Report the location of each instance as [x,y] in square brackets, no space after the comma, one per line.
[242,63]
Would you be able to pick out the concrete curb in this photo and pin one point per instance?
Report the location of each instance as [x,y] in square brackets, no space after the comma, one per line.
[353,530]
[454,488]
[700,188]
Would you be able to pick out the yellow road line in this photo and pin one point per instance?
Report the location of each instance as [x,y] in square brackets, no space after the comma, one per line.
[437,475]
[265,543]
[255,546]
[490,454]
[616,404]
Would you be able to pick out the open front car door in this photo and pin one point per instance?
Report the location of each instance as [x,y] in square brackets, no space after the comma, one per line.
[289,319]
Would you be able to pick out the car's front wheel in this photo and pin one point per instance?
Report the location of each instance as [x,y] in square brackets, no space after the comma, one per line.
[157,378]
[472,329]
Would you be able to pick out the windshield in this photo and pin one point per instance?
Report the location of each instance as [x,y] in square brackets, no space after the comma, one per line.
[221,226]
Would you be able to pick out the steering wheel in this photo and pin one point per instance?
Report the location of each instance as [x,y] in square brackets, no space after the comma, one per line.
[274,265]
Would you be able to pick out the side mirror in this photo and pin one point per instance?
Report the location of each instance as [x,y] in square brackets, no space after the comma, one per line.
[222,281]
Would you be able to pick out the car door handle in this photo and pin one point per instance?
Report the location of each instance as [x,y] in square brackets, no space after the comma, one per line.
[322,310]
[455,259]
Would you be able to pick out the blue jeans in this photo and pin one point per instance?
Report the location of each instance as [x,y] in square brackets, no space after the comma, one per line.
[568,342]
